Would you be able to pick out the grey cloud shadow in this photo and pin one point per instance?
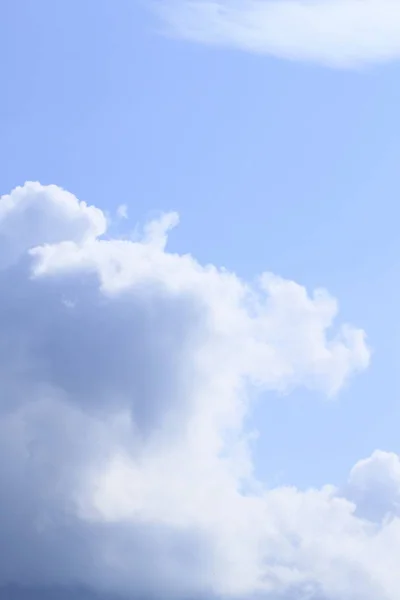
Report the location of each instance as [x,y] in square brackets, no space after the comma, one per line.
[97,356]
[132,351]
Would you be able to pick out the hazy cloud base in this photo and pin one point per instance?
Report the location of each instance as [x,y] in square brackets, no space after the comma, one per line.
[126,376]
[337,33]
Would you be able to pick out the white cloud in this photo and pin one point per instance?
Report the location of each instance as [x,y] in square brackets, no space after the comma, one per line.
[339,33]
[35,214]
[126,373]
[122,211]
[374,484]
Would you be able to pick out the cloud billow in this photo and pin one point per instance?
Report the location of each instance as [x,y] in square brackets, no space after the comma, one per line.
[126,374]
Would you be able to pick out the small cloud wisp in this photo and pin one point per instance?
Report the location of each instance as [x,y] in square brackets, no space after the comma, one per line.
[335,33]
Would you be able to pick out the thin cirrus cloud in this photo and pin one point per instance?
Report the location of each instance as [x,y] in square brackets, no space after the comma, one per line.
[125,463]
[337,33]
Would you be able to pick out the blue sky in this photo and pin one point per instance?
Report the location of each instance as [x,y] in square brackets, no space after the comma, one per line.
[273,164]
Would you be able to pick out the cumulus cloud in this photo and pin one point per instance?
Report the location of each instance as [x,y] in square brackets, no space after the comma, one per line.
[34,214]
[339,33]
[126,376]
[374,484]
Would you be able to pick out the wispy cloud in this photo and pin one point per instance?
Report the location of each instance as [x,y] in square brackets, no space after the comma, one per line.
[339,33]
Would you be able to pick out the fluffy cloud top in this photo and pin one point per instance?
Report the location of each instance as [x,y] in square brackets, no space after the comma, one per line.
[340,33]
[126,376]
